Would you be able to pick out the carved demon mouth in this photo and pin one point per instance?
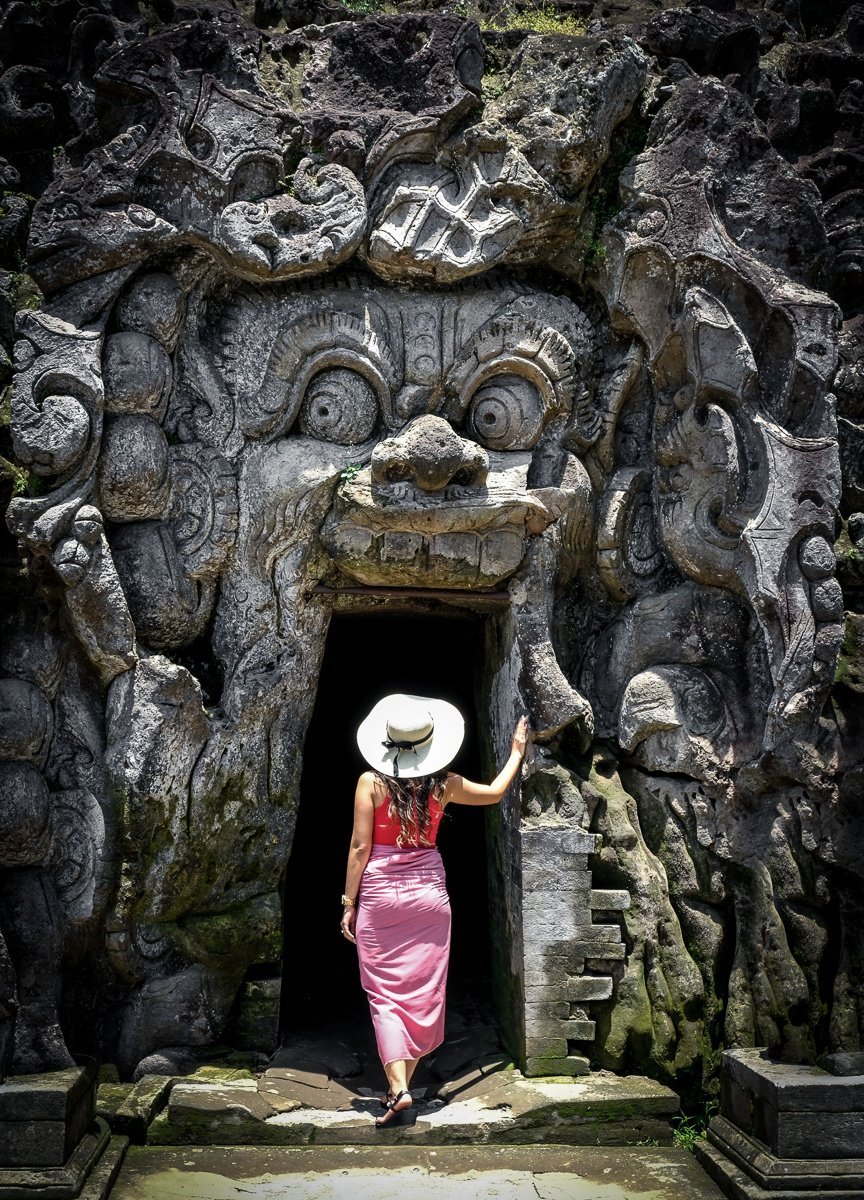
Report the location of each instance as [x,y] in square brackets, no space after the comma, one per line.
[460,538]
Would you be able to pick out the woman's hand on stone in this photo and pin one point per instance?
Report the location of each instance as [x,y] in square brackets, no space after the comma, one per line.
[349,916]
[520,736]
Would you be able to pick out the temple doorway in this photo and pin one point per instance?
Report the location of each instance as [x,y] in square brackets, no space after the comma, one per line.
[368,656]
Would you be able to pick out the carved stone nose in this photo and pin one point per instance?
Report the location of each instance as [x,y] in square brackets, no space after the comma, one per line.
[430,454]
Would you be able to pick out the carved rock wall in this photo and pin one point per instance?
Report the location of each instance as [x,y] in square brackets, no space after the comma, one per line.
[400,302]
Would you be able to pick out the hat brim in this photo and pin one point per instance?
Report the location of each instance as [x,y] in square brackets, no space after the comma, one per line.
[427,759]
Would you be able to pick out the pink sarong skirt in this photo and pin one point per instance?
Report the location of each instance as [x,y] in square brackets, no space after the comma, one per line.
[403,944]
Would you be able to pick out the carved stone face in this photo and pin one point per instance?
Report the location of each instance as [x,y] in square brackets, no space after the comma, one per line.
[420,434]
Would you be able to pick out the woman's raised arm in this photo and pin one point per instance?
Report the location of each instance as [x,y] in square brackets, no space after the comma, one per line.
[459,790]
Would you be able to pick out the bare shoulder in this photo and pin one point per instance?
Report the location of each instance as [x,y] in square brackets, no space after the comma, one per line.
[451,786]
[369,785]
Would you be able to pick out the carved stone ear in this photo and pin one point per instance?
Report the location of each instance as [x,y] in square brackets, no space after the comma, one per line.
[675,718]
[628,548]
[57,402]
[310,345]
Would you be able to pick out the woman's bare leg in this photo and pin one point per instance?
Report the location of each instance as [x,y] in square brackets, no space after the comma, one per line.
[397,1081]
[410,1068]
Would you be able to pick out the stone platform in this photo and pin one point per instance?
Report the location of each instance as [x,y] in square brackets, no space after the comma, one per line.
[786,1131]
[413,1173]
[487,1102]
[52,1144]
[490,1103]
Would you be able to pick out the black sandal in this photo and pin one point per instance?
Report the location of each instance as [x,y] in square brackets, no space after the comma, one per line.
[396,1115]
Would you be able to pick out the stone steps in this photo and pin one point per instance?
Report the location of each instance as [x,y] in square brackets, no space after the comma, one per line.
[488,1104]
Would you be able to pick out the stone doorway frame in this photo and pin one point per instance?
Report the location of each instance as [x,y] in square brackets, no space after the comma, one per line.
[547,954]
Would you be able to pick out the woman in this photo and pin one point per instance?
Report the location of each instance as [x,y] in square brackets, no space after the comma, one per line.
[395,905]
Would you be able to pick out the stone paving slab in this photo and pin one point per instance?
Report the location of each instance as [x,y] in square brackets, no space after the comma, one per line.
[418,1173]
[484,1106]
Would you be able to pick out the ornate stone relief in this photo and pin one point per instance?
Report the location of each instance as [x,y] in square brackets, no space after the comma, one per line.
[283,346]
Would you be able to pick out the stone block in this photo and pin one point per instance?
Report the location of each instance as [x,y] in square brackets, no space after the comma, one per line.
[559,1009]
[598,933]
[573,1064]
[538,1024]
[88,1172]
[209,1105]
[33,1144]
[558,914]
[147,1098]
[793,1087]
[743,1167]
[551,841]
[545,1047]
[537,992]
[846,1063]
[600,955]
[816,1134]
[542,1025]
[546,969]
[580,1030]
[44,1116]
[598,951]
[567,873]
[609,900]
[109,1097]
[588,987]
[738,1104]
[50,1096]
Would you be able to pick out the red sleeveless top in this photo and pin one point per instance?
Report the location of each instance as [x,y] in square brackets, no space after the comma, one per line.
[386,829]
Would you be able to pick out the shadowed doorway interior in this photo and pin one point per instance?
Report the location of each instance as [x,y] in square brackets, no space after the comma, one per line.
[367,657]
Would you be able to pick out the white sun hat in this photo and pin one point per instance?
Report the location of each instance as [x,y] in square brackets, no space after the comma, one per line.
[408,736]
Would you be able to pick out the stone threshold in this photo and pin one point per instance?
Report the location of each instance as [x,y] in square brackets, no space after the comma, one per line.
[490,1103]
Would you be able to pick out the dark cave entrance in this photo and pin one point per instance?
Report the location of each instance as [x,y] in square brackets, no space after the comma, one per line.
[368,656]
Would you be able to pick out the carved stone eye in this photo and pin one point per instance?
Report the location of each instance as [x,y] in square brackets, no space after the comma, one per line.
[340,406]
[506,414]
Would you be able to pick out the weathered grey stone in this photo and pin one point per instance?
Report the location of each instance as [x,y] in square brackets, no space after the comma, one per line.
[256,1022]
[134,473]
[734,1158]
[793,1087]
[137,375]
[633,462]
[26,721]
[845,1064]
[44,1116]
[132,1117]
[95,1160]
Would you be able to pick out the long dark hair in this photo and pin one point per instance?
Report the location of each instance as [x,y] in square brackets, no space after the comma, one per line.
[409,801]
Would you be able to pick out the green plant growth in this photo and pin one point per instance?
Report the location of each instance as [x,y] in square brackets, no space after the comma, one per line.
[352,470]
[363,8]
[538,18]
[22,291]
[692,1129]
[604,202]
[848,658]
[23,482]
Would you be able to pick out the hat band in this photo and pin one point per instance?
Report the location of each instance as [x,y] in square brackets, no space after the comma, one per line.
[405,744]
